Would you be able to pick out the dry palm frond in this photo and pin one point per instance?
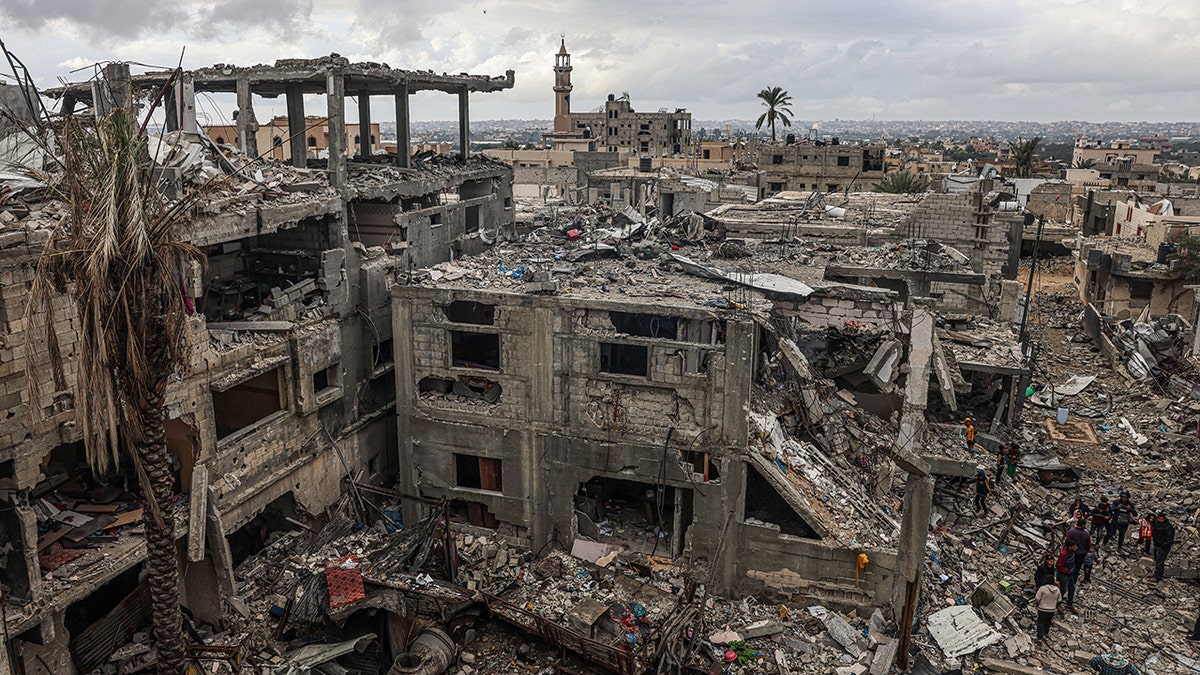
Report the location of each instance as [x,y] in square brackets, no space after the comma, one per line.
[117,257]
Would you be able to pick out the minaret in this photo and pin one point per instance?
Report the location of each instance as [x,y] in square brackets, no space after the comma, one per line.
[562,90]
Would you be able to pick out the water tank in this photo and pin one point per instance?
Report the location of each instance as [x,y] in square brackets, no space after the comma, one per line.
[791,139]
[1165,249]
[645,165]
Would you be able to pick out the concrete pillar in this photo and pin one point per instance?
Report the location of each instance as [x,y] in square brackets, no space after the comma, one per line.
[297,134]
[113,90]
[918,489]
[406,400]
[364,123]
[247,123]
[403,131]
[187,103]
[335,95]
[464,123]
[738,382]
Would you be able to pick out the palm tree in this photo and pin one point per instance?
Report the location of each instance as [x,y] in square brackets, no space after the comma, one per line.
[776,101]
[903,182]
[1084,164]
[116,257]
[1025,155]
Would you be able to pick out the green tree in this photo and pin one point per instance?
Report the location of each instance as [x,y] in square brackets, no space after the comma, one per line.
[903,182]
[1025,155]
[1084,164]
[116,257]
[1187,257]
[777,103]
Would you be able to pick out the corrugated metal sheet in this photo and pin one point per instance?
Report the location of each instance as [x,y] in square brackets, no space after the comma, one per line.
[92,647]
[958,630]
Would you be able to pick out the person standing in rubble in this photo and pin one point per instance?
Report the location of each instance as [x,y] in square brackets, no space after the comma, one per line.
[1083,549]
[1078,509]
[983,488]
[1044,573]
[1001,461]
[1113,663]
[1100,517]
[1014,458]
[1066,568]
[1047,597]
[1123,513]
[1146,533]
[1164,539]
[969,431]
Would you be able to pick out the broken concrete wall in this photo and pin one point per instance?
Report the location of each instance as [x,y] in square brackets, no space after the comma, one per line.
[561,419]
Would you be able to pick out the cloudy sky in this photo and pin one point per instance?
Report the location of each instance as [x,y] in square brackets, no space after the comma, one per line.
[1039,60]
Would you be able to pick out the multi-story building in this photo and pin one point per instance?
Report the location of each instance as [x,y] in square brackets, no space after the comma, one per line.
[276,137]
[287,389]
[618,127]
[821,167]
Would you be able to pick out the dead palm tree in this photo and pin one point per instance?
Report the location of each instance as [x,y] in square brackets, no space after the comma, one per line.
[115,255]
[777,103]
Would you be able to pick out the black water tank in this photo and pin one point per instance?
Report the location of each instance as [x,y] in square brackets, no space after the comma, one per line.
[1165,249]
[645,165]
[791,139]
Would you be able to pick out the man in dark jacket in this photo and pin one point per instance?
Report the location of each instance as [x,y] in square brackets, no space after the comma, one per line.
[1045,572]
[983,488]
[1123,514]
[1164,539]
[1083,550]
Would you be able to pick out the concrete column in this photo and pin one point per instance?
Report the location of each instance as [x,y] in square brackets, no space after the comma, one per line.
[297,134]
[187,103]
[335,95]
[113,90]
[247,123]
[364,123]
[406,400]
[739,380]
[464,123]
[918,489]
[403,131]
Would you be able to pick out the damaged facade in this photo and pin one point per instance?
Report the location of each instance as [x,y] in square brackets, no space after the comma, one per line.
[287,387]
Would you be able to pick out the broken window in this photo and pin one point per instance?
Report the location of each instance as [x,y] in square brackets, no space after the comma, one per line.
[472,218]
[464,387]
[435,219]
[777,159]
[702,464]
[775,187]
[381,353]
[312,141]
[1140,293]
[645,325]
[764,504]
[478,473]
[97,627]
[474,350]
[475,513]
[623,359]
[468,311]
[249,402]
[843,161]
[327,380]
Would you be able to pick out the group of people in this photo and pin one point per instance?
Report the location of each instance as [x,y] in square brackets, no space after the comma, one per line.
[1007,458]
[1056,577]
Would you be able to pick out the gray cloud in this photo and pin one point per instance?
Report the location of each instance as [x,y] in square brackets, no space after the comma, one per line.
[95,19]
[1027,59]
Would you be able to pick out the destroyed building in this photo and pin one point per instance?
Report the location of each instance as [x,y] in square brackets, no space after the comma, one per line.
[616,126]
[288,386]
[820,166]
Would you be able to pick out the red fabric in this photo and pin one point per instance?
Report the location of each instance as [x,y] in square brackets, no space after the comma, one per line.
[345,585]
[55,556]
